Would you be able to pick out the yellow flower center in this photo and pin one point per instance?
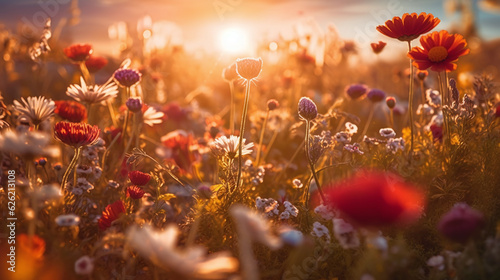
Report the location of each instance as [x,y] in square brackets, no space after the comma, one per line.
[438,54]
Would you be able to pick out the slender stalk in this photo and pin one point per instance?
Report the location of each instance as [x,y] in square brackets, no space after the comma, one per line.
[391,117]
[88,106]
[71,166]
[311,164]
[446,133]
[273,138]
[111,111]
[85,73]
[368,121]
[232,108]
[261,138]
[242,132]
[410,101]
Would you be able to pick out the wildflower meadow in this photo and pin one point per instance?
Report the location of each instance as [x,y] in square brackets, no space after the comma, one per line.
[310,155]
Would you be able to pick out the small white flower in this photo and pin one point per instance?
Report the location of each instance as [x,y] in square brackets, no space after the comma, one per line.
[152,117]
[84,265]
[290,208]
[97,172]
[351,128]
[113,184]
[326,212]
[424,109]
[83,169]
[77,191]
[433,97]
[395,144]
[284,215]
[436,262]
[387,132]
[68,220]
[320,231]
[268,206]
[90,153]
[353,149]
[93,93]
[36,108]
[345,234]
[297,184]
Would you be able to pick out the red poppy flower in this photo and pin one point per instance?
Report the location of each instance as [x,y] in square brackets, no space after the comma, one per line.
[375,199]
[95,63]
[78,52]
[135,192]
[110,214]
[409,27]
[440,51]
[139,178]
[34,248]
[461,223]
[378,47]
[71,110]
[76,134]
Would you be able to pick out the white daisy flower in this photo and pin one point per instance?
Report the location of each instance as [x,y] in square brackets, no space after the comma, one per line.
[35,108]
[84,265]
[68,220]
[152,117]
[223,146]
[92,93]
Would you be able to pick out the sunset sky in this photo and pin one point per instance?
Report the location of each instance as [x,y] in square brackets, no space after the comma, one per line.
[203,20]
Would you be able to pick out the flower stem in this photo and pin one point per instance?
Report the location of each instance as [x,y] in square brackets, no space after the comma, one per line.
[410,101]
[231,110]
[85,73]
[242,132]
[71,166]
[446,134]
[391,117]
[273,138]
[261,138]
[311,164]
[368,121]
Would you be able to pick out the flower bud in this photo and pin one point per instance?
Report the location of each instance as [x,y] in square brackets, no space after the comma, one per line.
[391,102]
[356,91]
[376,95]
[229,73]
[134,104]
[204,192]
[272,104]
[307,109]
[249,68]
[461,223]
[422,74]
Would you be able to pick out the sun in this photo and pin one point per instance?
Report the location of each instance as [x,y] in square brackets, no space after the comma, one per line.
[234,40]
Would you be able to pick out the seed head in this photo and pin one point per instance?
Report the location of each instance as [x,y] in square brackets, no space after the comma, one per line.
[307,109]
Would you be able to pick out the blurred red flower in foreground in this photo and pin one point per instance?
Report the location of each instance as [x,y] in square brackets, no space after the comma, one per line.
[95,63]
[135,192]
[378,47]
[440,51]
[71,110]
[110,214]
[34,248]
[139,178]
[78,52]
[460,223]
[409,27]
[76,134]
[376,199]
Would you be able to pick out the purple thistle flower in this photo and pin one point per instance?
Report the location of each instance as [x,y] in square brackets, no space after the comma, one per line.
[356,91]
[127,77]
[307,109]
